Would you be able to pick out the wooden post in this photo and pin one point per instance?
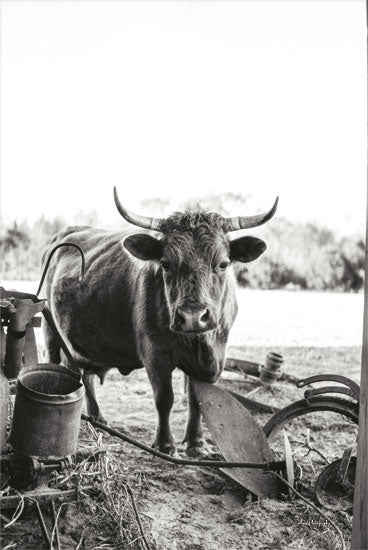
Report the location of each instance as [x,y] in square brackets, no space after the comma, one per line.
[359,538]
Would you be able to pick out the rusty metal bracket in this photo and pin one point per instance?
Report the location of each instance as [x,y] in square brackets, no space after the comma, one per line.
[18,295]
[331,378]
[35,322]
[42,522]
[344,465]
[308,394]
[330,492]
[20,344]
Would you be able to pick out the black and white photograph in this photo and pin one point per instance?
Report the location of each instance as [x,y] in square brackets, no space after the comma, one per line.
[183,243]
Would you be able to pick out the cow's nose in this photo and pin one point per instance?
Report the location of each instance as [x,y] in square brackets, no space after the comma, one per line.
[192,318]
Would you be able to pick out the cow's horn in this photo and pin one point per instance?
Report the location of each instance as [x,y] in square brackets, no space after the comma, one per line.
[245,222]
[135,219]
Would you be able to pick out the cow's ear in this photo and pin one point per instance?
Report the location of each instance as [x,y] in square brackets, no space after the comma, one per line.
[246,249]
[143,246]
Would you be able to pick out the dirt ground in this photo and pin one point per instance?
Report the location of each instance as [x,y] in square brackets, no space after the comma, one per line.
[188,508]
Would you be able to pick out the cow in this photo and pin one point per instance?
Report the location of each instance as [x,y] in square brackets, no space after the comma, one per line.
[161,300]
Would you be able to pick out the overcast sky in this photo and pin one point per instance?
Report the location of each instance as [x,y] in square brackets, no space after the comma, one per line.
[178,99]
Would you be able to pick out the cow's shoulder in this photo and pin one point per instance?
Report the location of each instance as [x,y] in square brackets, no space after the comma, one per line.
[62,236]
[66,232]
[76,229]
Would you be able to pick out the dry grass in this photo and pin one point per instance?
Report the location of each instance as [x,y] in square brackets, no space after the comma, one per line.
[290,526]
[105,515]
[114,521]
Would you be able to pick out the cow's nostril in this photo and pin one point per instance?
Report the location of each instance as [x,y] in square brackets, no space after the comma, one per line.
[190,319]
[179,319]
[206,316]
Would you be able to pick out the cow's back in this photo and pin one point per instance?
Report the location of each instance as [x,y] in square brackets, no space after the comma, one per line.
[94,315]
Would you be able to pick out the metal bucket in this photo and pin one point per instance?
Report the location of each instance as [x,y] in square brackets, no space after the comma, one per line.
[47,411]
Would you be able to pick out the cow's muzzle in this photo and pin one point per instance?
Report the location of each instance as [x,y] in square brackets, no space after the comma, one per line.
[193,318]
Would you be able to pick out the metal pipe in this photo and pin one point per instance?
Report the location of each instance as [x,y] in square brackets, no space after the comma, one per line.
[49,257]
[275,465]
[42,523]
[55,528]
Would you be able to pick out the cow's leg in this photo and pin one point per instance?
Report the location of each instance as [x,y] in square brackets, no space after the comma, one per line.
[196,445]
[52,346]
[89,382]
[161,381]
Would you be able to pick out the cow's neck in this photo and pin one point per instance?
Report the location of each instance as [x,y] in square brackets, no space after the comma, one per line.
[193,355]
[208,350]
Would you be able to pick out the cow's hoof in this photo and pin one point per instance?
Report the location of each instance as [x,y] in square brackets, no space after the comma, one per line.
[102,419]
[166,449]
[198,451]
[99,418]
[171,451]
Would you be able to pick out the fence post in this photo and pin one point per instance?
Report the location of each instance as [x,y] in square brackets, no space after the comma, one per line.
[359,538]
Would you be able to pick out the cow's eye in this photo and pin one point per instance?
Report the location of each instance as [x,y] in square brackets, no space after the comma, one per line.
[224,265]
[164,264]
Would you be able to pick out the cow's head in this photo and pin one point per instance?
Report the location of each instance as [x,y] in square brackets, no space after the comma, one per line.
[193,254]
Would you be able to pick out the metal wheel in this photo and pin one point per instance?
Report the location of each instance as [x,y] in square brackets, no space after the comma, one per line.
[339,405]
[319,429]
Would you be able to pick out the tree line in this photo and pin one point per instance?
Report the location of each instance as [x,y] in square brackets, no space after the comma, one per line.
[299,255]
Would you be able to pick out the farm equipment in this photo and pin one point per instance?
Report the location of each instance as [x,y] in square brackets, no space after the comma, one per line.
[334,488]
[47,416]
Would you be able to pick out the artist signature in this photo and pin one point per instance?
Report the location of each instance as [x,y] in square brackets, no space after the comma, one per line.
[314,523]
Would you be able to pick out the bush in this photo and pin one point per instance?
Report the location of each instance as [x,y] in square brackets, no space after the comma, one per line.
[298,256]
[305,256]
[22,247]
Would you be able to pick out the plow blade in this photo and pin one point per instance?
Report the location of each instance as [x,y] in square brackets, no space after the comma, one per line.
[238,437]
